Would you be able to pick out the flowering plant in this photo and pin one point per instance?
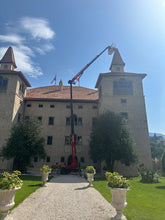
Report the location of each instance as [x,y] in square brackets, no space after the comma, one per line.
[116,181]
[10,181]
[45,169]
[90,169]
[55,167]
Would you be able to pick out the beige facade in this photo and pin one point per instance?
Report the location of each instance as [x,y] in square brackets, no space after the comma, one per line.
[118,91]
[59,150]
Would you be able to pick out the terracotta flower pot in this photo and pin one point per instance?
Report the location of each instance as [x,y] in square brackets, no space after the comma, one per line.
[7,201]
[119,201]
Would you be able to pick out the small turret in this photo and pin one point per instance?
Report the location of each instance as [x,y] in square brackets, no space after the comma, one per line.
[117,64]
[8,61]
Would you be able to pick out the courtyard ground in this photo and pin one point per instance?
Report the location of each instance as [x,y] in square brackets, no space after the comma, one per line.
[65,197]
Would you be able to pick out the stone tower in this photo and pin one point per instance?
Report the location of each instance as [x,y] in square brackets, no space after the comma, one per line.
[12,90]
[122,92]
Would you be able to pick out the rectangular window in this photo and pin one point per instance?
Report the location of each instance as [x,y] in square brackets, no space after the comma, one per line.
[80,121]
[122,87]
[80,106]
[4,85]
[40,118]
[1,80]
[51,121]
[29,105]
[48,159]
[62,159]
[52,106]
[68,106]
[79,140]
[94,106]
[40,105]
[68,121]
[123,100]
[67,140]
[124,115]
[82,160]
[49,140]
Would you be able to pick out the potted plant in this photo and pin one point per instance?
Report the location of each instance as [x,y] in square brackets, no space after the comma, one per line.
[90,171]
[9,183]
[55,169]
[118,186]
[45,170]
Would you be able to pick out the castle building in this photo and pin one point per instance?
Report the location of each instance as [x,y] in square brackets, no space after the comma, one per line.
[118,91]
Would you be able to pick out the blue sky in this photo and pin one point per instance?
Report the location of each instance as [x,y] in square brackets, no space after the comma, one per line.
[52,37]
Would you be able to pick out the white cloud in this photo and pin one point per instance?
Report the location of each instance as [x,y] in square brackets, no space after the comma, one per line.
[11,38]
[38,27]
[42,35]
[44,48]
[25,63]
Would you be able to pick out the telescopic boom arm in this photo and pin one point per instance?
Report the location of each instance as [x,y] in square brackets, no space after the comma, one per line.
[72,81]
[79,74]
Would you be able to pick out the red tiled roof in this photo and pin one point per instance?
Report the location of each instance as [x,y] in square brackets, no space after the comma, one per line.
[54,93]
[101,75]
[9,57]
[19,73]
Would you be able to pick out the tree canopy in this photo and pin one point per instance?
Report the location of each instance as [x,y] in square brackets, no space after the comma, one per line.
[110,141]
[25,142]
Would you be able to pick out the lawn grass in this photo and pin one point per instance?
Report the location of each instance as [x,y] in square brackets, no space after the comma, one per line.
[145,201]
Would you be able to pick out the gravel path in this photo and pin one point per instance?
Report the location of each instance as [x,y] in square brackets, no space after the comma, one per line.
[66,197]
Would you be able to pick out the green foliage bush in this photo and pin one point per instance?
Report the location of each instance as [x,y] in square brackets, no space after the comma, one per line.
[90,169]
[10,181]
[45,169]
[116,181]
[149,176]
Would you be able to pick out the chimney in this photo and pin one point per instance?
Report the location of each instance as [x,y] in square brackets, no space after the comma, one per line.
[60,85]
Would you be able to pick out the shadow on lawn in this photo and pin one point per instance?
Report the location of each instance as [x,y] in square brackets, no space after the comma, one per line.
[160,187]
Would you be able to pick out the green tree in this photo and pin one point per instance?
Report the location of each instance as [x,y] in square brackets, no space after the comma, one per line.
[157,149]
[110,141]
[25,142]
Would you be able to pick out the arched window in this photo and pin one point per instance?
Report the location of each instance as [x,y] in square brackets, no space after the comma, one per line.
[122,87]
